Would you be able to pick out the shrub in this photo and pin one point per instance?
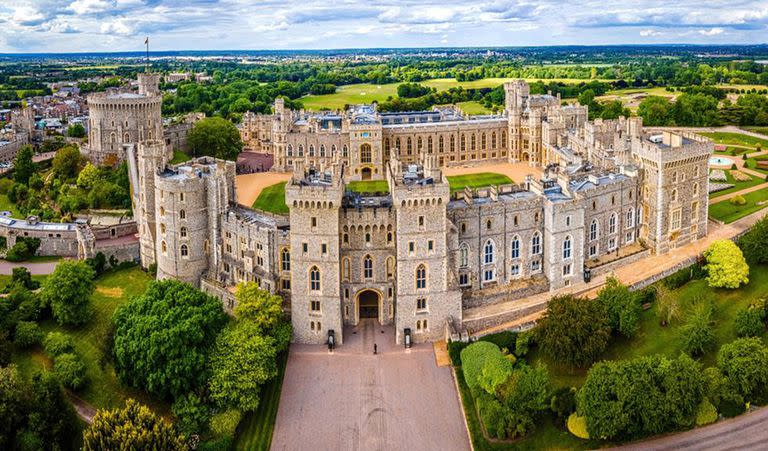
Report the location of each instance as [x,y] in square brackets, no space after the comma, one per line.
[678,278]
[754,243]
[27,334]
[57,343]
[734,167]
[563,402]
[698,336]
[68,291]
[524,343]
[732,407]
[70,370]
[738,200]
[749,322]
[726,266]
[454,351]
[504,340]
[578,426]
[192,415]
[621,305]
[484,366]
[705,413]
[744,363]
[225,423]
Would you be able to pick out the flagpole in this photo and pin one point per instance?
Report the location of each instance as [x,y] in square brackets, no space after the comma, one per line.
[146,65]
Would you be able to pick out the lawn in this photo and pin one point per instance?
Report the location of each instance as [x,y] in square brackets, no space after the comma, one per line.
[255,430]
[738,139]
[103,389]
[738,186]
[734,151]
[727,212]
[7,205]
[369,186]
[752,163]
[179,157]
[272,199]
[473,108]
[5,279]
[479,180]
[761,130]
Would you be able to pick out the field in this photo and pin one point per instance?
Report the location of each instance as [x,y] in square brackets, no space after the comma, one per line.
[727,212]
[272,199]
[5,279]
[479,180]
[473,108]
[752,163]
[369,186]
[738,139]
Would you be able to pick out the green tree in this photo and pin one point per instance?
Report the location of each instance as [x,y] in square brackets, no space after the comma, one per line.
[23,166]
[27,334]
[51,422]
[132,427]
[70,370]
[192,414]
[754,243]
[750,322]
[215,137]
[726,266]
[697,334]
[573,331]
[526,395]
[57,343]
[655,111]
[258,306]
[67,162]
[88,176]
[174,320]
[13,404]
[744,363]
[76,131]
[68,291]
[475,358]
[621,305]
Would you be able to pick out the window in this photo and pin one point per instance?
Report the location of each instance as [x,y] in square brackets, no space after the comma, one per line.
[694,211]
[367,237]
[612,244]
[345,238]
[162,211]
[675,220]
[286,284]
[463,227]
[164,247]
[488,252]
[182,214]
[314,222]
[488,224]
[304,247]
[593,230]
[593,250]
[285,260]
[488,275]
[567,269]
[181,197]
[463,255]
[311,150]
[421,221]
[322,150]
[514,270]
[184,250]
[536,266]
[183,232]
[162,228]
[515,247]
[695,189]
[567,247]
[411,246]
[324,248]
[630,218]
[368,267]
[567,221]
[314,279]
[345,268]
[421,304]
[463,279]
[344,151]
[289,150]
[629,237]
[365,153]
[430,245]
[314,306]
[536,244]
[389,237]
[421,277]
[612,223]
[390,267]
[674,195]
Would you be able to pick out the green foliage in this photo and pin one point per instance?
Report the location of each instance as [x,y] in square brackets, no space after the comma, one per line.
[655,111]
[258,306]
[750,322]
[173,320]
[754,243]
[524,343]
[24,248]
[215,137]
[57,343]
[27,334]
[76,131]
[698,336]
[192,414]
[629,399]
[525,394]
[473,361]
[705,413]
[578,426]
[68,291]
[224,424]
[505,340]
[21,277]
[621,305]
[412,90]
[70,370]
[454,351]
[67,162]
[51,422]
[563,402]
[744,363]
[573,331]
[737,200]
[129,428]
[88,176]
[726,266]
[23,166]
[495,372]
[13,404]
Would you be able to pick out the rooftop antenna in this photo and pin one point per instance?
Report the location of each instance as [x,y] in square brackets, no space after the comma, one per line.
[146,65]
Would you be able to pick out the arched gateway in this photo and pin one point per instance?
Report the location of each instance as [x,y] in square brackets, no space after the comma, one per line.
[368,304]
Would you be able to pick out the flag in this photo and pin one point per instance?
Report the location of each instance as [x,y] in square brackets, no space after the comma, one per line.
[146,41]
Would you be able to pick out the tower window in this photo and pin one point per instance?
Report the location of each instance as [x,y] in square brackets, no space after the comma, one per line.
[421,277]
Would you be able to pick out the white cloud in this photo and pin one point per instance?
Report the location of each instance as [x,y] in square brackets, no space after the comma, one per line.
[26,15]
[89,6]
[650,32]
[712,31]
[117,26]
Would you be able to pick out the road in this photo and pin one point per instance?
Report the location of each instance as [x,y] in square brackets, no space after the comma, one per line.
[40,268]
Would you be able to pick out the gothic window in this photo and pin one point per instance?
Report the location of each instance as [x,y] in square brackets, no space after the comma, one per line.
[311,150]
[464,255]
[162,228]
[493,140]
[488,252]
[389,237]
[612,223]
[674,177]
[333,149]
[386,144]
[390,267]
[503,137]
[365,153]
[440,144]
[182,214]
[695,189]
[184,250]
[674,195]
[126,137]
[482,142]
[162,211]
[593,230]
[301,150]
[164,247]
[289,150]
[515,247]
[536,244]
[398,145]
[463,143]
[567,247]
[409,146]
[345,268]
[322,150]
[314,279]
[368,267]
[344,151]
[421,277]
[473,142]
[429,144]
[418,143]
[630,217]
[285,260]
[453,143]
[112,138]
[183,232]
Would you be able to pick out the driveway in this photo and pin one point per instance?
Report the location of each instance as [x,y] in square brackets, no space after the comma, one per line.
[354,400]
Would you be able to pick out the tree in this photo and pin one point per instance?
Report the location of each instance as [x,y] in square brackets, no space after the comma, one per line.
[68,291]
[744,363]
[525,394]
[192,414]
[750,322]
[13,404]
[215,137]
[726,266]
[57,343]
[27,334]
[51,422]
[88,176]
[21,277]
[754,243]
[655,111]
[174,320]
[132,427]
[66,163]
[70,370]
[621,305]
[478,356]
[258,306]
[76,131]
[23,166]
[697,334]
[573,331]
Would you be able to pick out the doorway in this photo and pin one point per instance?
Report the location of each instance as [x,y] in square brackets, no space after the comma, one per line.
[368,304]
[365,173]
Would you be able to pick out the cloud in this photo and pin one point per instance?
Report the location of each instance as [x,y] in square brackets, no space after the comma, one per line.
[90,6]
[117,26]
[712,31]
[650,32]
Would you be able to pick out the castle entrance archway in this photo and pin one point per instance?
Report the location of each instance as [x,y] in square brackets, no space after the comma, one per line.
[368,303]
[365,173]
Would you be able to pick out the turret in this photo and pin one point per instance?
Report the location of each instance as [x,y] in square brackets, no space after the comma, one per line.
[149,84]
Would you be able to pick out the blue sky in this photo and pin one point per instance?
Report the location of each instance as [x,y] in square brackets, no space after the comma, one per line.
[120,25]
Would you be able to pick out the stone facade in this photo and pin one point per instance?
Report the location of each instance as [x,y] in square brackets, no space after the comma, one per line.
[416,256]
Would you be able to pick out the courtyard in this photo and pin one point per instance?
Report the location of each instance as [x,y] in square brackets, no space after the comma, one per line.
[353,399]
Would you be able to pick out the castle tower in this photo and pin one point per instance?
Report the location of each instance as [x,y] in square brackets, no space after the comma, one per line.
[280,127]
[515,94]
[150,160]
[314,200]
[366,155]
[149,84]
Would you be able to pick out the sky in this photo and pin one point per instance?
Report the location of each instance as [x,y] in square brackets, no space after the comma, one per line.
[121,25]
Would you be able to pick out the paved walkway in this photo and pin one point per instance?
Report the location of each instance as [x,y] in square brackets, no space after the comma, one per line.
[41,268]
[354,400]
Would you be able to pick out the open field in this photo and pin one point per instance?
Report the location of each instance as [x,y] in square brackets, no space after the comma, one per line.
[727,212]
[369,186]
[479,180]
[272,199]
[7,205]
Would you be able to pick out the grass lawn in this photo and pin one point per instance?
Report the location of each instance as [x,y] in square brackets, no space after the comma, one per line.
[727,212]
[272,199]
[255,430]
[733,151]
[369,186]
[473,108]
[179,157]
[7,205]
[103,388]
[761,130]
[738,186]
[752,163]
[735,138]
[479,180]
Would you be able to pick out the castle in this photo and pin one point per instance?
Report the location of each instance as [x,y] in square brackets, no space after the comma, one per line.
[416,255]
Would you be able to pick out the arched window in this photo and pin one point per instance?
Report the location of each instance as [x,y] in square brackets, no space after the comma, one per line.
[536,244]
[162,211]
[162,228]
[182,214]
[515,247]
[567,247]
[674,195]
[463,255]
[112,138]
[314,279]
[593,230]
[333,149]
[163,247]
[368,267]
[184,250]
[409,146]
[612,223]
[289,150]
[322,150]
[440,144]
[429,144]
[183,232]
[365,153]
[421,277]
[493,140]
[473,142]
[301,150]
[345,268]
[674,177]
[389,237]
[390,267]
[453,143]
[695,189]
[345,151]
[311,150]
[630,217]
[126,138]
[488,252]
[639,215]
[418,143]
[463,145]
[285,260]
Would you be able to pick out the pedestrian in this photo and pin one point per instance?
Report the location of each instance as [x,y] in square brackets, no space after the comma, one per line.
[375,349]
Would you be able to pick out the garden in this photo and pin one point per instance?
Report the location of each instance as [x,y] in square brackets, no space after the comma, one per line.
[682,353]
[479,180]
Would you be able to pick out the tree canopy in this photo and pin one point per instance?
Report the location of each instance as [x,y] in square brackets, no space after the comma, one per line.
[754,243]
[68,291]
[23,166]
[215,137]
[726,266]
[744,363]
[622,306]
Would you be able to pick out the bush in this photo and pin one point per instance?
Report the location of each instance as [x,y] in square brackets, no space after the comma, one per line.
[225,423]
[484,366]
[70,370]
[705,413]
[563,402]
[192,415]
[679,278]
[732,407]
[27,334]
[454,351]
[726,266]
[738,200]
[68,291]
[744,363]
[57,343]
[622,307]
[578,426]
[524,343]
[697,334]
[504,340]
[749,322]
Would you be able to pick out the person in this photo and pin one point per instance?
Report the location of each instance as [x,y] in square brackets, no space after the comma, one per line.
[375,348]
